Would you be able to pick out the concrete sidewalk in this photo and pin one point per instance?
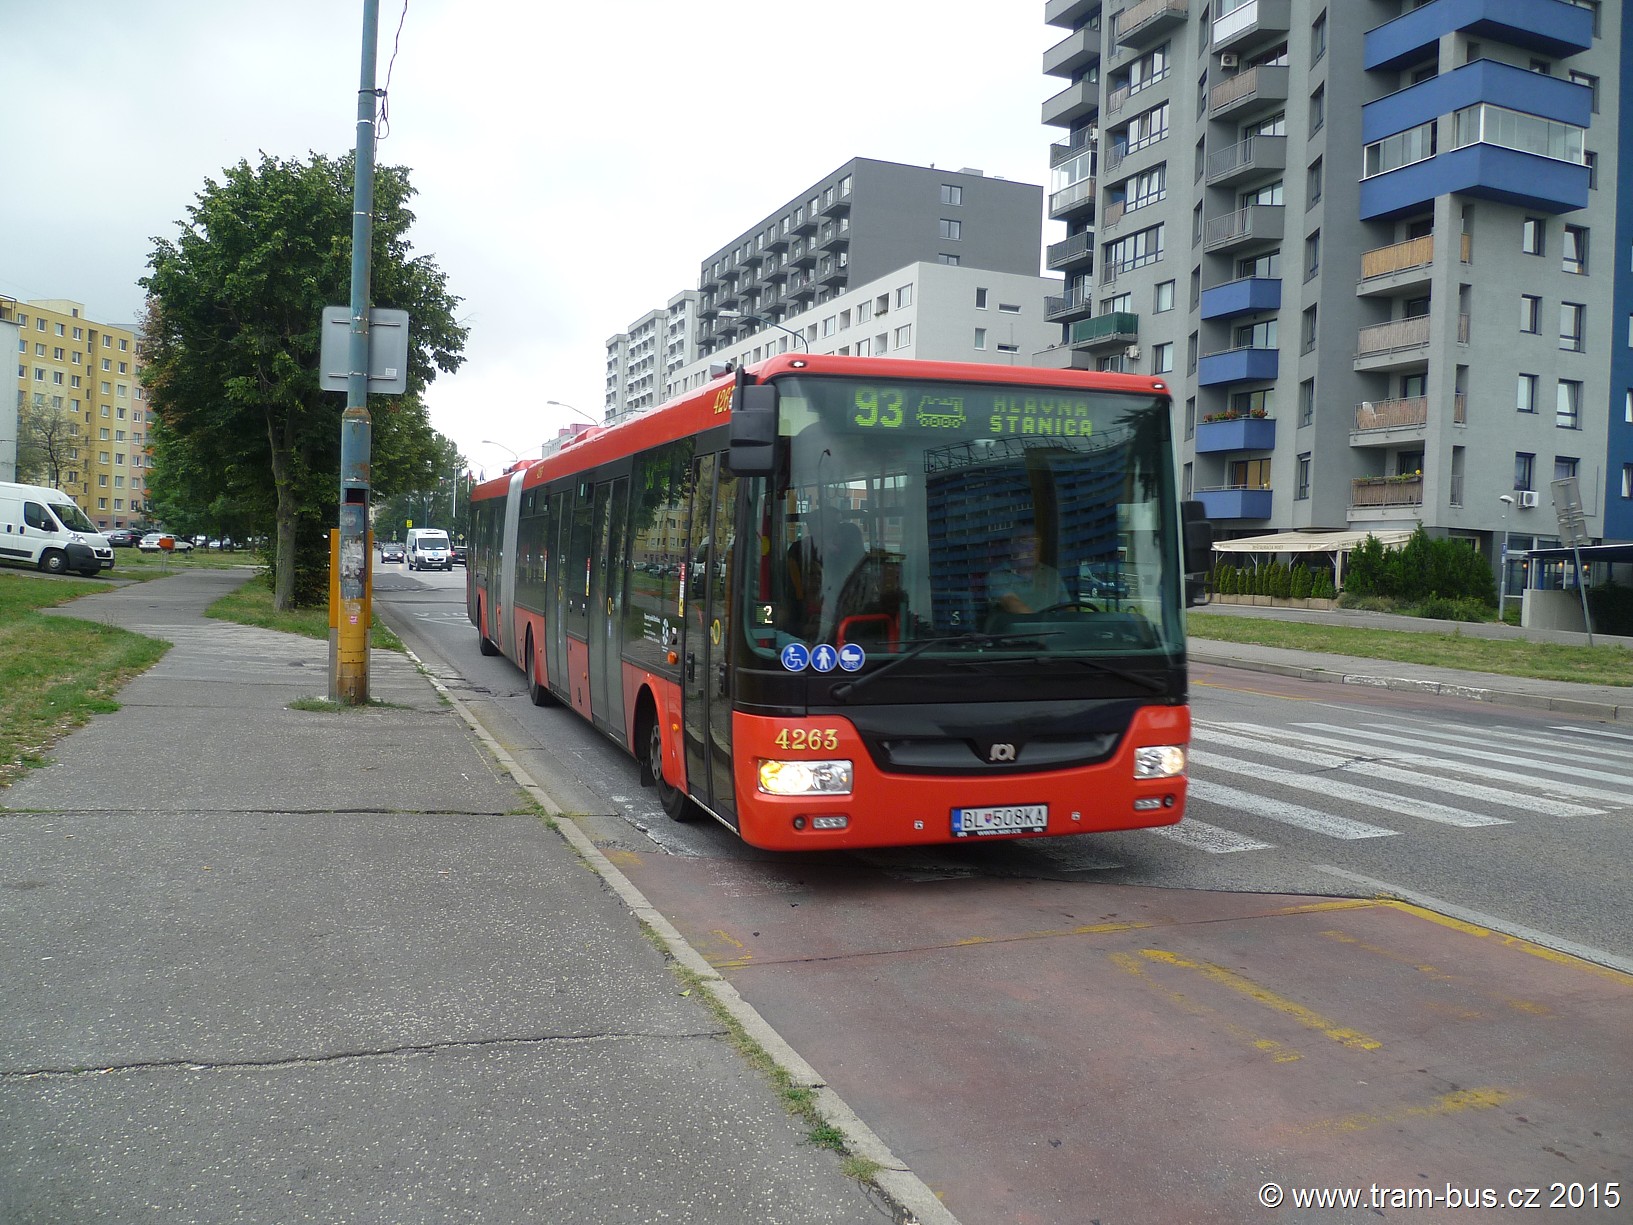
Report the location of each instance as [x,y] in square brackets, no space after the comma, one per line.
[265,964]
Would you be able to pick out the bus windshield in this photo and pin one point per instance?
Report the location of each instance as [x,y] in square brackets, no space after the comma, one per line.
[933,518]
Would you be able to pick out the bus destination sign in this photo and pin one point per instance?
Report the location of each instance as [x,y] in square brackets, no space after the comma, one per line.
[1000,413]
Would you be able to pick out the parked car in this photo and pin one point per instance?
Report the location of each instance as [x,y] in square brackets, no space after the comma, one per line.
[458,552]
[153,543]
[122,537]
[391,550]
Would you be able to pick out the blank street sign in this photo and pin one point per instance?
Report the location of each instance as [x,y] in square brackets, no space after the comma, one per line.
[388,350]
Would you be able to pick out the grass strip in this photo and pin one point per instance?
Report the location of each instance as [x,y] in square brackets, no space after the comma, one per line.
[56,672]
[1597,665]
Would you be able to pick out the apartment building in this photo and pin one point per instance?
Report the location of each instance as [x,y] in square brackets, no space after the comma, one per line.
[930,311]
[1370,244]
[854,225]
[89,373]
[642,358]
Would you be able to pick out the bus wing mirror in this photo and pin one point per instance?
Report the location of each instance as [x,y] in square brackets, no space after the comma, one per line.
[753,434]
[1198,551]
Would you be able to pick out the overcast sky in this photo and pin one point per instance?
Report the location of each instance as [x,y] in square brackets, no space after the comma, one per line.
[574,161]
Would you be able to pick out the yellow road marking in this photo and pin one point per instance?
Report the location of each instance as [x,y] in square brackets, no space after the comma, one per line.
[1513,942]
[1091,929]
[1279,1052]
[1310,1019]
[1446,1104]
[1531,1007]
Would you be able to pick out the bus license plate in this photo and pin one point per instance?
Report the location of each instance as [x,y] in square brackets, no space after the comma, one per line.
[1010,819]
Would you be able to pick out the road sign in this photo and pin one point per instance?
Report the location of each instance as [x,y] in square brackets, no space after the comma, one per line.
[388,350]
[1573,520]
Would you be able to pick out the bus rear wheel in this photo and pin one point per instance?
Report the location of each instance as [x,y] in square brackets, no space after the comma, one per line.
[538,693]
[675,803]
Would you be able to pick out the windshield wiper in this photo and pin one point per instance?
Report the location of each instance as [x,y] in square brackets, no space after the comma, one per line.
[844,690]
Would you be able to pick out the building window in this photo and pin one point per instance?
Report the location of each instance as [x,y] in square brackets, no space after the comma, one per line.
[980,338]
[1627,480]
[1568,405]
[1009,308]
[1318,37]
[1312,185]
[904,335]
[952,194]
[1301,480]
[1525,394]
[1190,420]
[1565,467]
[1572,322]
[1309,330]
[1575,250]
[953,230]
[1009,348]
[952,261]
[1524,469]
[1318,109]
[904,296]
[1306,402]
[1163,299]
[980,299]
[1532,234]
[1259,403]
[1530,313]
[1312,255]
[1162,359]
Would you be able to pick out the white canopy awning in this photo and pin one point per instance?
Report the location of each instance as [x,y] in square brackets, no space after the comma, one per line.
[1313,541]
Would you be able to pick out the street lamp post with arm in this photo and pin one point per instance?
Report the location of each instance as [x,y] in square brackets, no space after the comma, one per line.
[1507,500]
[731,314]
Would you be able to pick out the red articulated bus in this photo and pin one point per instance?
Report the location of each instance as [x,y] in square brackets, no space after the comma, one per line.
[841,602]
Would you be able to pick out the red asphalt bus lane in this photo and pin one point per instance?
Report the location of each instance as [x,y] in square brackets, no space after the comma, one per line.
[1044,1052]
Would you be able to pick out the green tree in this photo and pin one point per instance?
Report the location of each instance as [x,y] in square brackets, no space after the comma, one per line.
[47,439]
[232,341]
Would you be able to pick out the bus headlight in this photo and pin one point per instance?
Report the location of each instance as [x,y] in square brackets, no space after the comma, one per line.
[1159,761]
[805,777]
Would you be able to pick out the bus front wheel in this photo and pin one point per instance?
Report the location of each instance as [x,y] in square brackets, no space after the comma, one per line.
[675,803]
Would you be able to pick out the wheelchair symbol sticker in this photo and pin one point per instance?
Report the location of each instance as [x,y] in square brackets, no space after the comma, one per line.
[795,657]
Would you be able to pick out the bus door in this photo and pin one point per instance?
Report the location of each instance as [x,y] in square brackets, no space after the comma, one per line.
[607,606]
[505,608]
[706,652]
[555,591]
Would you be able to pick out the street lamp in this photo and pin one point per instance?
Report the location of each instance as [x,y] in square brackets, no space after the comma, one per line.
[1502,574]
[571,409]
[488,442]
[731,314]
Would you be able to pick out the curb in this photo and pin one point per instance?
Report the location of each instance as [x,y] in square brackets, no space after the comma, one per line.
[915,1203]
[1502,697]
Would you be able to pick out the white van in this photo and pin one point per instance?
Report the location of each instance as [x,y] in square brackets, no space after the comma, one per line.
[428,549]
[43,527]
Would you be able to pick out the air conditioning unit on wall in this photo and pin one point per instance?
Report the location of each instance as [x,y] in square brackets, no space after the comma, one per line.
[1528,499]
[1229,59]
[1132,353]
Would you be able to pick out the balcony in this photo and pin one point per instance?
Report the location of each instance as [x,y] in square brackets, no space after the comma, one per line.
[1077,198]
[841,203]
[1235,502]
[1246,296]
[1236,434]
[1253,89]
[1257,223]
[1078,304]
[1074,250]
[1144,23]
[1401,266]
[1248,365]
[805,225]
[1387,423]
[1255,20]
[1071,55]
[1369,494]
[1488,172]
[834,272]
[1069,12]
[1251,156]
[1400,343]
[1073,106]
[839,237]
[1551,27]
[1066,150]
[1107,331]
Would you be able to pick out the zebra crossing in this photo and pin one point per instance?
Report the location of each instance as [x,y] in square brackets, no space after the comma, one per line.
[1382,780]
